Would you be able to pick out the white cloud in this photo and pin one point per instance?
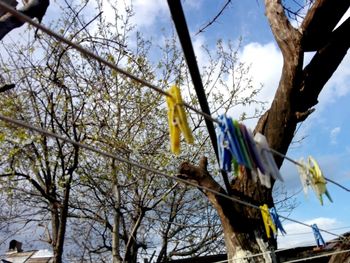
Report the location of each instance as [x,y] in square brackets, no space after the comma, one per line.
[300,235]
[266,65]
[334,134]
[146,13]
[265,61]
[201,55]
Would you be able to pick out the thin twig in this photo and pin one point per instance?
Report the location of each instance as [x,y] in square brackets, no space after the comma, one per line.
[201,30]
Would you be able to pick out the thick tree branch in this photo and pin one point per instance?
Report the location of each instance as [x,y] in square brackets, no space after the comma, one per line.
[12,3]
[323,65]
[200,175]
[285,34]
[320,21]
[36,185]
[7,87]
[33,9]
[240,223]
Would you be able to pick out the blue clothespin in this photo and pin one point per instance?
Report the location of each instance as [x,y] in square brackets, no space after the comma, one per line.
[226,144]
[318,237]
[234,143]
[276,220]
[225,156]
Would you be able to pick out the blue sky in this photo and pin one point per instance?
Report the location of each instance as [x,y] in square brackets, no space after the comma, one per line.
[326,131]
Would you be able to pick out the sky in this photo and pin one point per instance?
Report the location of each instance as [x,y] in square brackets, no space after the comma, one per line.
[325,133]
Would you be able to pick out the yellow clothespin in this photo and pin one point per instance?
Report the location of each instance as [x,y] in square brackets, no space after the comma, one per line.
[177,120]
[318,181]
[268,223]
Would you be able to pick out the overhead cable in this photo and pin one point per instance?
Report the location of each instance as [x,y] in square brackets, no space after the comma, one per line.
[186,43]
[318,256]
[289,261]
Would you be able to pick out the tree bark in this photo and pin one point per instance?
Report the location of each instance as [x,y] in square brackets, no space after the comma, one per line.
[116,218]
[242,225]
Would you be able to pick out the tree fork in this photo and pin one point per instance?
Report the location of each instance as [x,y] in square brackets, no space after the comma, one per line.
[243,226]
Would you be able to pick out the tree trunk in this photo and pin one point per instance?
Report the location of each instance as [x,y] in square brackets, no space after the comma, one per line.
[59,214]
[55,224]
[242,226]
[116,218]
[131,245]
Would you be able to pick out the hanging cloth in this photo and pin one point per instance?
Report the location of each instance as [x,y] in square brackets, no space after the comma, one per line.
[267,157]
[177,120]
[276,220]
[319,239]
[318,182]
[268,223]
[253,150]
[242,145]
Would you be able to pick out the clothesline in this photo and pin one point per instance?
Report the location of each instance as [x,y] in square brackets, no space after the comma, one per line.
[289,261]
[301,165]
[318,256]
[144,167]
[84,51]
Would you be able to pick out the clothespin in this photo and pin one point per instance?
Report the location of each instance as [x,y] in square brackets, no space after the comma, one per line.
[268,223]
[318,182]
[242,146]
[304,174]
[258,166]
[177,120]
[318,236]
[276,220]
[267,157]
[251,145]
[225,156]
[227,148]
[265,179]
[233,140]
